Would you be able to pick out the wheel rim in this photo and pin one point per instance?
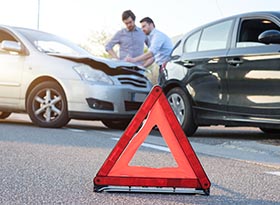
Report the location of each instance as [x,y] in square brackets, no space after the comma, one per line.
[178,106]
[47,105]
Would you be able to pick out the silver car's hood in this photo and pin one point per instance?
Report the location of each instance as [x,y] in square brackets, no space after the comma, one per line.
[115,63]
[110,67]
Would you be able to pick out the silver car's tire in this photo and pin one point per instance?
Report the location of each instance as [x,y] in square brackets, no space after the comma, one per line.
[4,115]
[116,124]
[47,105]
[182,108]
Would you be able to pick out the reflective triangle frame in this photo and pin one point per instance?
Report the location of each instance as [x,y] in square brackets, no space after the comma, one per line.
[115,172]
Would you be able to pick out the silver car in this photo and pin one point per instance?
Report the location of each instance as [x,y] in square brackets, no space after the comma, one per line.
[54,80]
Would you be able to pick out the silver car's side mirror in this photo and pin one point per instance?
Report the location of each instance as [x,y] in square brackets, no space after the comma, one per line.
[11,46]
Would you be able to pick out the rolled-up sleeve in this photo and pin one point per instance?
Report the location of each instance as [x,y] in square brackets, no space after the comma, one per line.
[155,44]
[115,40]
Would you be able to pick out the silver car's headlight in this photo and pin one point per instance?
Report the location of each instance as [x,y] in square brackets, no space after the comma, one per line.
[89,74]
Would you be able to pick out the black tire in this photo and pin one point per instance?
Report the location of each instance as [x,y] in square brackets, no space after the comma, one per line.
[116,124]
[270,130]
[4,115]
[47,105]
[182,108]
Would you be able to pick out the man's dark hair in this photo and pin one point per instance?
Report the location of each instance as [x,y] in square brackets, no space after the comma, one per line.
[128,13]
[148,20]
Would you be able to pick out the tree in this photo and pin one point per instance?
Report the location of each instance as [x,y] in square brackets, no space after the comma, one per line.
[96,42]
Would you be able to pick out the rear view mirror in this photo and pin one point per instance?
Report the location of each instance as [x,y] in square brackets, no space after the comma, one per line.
[270,36]
[11,46]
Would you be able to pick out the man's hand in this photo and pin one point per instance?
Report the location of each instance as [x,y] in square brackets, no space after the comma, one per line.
[148,59]
[129,59]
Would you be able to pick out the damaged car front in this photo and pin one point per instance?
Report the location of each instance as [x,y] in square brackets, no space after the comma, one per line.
[59,81]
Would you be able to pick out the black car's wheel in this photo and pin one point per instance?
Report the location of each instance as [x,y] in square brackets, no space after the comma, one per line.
[182,108]
[116,124]
[47,106]
[4,115]
[270,131]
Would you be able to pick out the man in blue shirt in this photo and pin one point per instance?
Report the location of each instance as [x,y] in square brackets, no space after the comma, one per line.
[160,46]
[130,39]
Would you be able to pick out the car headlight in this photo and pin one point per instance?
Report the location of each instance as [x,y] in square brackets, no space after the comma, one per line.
[90,74]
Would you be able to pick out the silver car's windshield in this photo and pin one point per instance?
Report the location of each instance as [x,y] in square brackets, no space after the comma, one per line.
[52,44]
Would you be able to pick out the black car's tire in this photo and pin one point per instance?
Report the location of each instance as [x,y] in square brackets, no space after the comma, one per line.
[182,108]
[270,131]
[47,105]
[116,124]
[4,115]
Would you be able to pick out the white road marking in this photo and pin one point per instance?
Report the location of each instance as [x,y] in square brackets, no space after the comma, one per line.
[157,147]
[274,173]
[115,134]
[75,130]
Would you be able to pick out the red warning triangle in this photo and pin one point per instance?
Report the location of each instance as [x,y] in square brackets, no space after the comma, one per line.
[154,111]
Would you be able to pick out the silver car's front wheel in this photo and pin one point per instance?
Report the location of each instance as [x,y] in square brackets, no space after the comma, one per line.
[47,106]
[180,103]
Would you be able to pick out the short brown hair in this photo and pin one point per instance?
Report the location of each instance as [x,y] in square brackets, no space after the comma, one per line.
[128,13]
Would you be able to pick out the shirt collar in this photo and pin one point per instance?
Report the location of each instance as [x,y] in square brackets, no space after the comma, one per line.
[135,29]
[152,32]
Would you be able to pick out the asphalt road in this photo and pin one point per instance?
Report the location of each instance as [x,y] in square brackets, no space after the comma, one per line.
[56,166]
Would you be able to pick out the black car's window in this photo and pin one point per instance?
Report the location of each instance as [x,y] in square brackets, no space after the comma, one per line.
[250,29]
[216,36]
[192,42]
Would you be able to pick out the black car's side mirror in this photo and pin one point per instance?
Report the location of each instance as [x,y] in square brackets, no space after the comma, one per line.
[270,36]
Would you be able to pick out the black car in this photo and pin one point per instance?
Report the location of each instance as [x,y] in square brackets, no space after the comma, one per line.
[227,73]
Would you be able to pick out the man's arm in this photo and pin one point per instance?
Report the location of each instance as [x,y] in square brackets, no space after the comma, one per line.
[143,57]
[148,58]
[109,46]
[148,62]
[113,54]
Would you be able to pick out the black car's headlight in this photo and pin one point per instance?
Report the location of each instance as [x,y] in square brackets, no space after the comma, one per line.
[89,74]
